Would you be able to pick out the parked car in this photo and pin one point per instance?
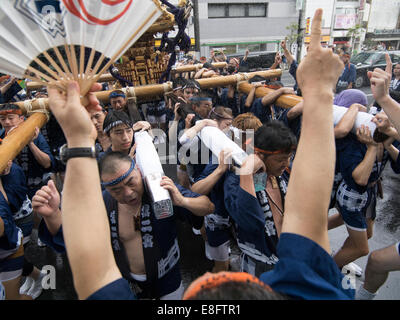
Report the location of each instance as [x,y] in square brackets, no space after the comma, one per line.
[368,61]
[257,60]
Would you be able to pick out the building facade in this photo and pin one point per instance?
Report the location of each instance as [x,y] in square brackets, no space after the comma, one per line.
[354,24]
[237,25]
[383,30]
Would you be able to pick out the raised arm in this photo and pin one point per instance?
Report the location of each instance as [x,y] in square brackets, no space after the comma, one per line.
[41,157]
[250,96]
[193,131]
[84,218]
[277,61]
[246,55]
[380,82]
[311,180]
[287,53]
[347,122]
[204,186]
[362,172]
[272,96]
[7,86]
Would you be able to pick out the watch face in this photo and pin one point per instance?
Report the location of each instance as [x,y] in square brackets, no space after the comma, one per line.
[63,151]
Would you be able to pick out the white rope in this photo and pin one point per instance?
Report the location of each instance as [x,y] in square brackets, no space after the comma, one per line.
[238,77]
[41,103]
[167,86]
[130,92]
[28,106]
[42,109]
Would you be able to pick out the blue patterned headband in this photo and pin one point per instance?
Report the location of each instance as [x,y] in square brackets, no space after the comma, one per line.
[116,95]
[114,124]
[121,178]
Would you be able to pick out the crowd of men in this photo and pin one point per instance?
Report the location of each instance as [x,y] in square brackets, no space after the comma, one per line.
[77,181]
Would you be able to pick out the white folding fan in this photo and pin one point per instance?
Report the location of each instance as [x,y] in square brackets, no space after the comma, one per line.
[53,41]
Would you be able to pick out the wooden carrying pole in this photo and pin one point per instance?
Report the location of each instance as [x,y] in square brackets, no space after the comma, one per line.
[284,101]
[154,90]
[18,138]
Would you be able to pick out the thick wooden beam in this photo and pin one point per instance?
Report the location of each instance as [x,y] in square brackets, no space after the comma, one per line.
[19,137]
[284,101]
[158,90]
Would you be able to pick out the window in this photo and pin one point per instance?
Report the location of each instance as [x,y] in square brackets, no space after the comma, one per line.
[395,58]
[237,10]
[252,47]
[228,49]
[216,11]
[258,10]
[381,60]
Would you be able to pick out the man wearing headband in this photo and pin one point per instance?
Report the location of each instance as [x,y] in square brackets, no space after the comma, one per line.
[172,98]
[118,101]
[201,104]
[348,76]
[230,286]
[10,117]
[117,126]
[36,158]
[103,140]
[259,219]
[150,244]
[151,247]
[305,269]
[361,162]
[382,261]
[191,88]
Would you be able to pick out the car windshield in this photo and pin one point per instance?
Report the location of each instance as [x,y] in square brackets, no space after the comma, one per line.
[365,57]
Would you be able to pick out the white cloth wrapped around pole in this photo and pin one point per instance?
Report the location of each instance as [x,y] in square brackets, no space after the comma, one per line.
[362,118]
[215,140]
[151,169]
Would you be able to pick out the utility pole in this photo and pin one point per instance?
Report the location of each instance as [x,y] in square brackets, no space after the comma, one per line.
[300,6]
[333,22]
[196,26]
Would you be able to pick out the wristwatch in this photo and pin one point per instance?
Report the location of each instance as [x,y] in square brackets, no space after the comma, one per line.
[68,153]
